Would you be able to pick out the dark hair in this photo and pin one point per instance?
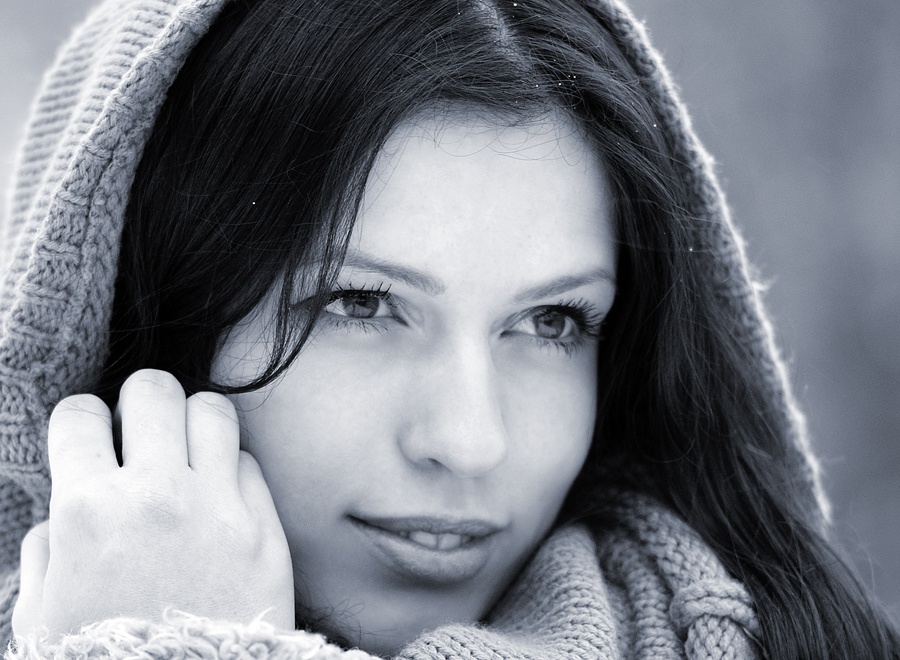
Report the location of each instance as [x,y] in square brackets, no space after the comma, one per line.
[256,166]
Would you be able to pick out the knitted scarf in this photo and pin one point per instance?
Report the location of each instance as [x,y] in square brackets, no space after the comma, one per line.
[648,587]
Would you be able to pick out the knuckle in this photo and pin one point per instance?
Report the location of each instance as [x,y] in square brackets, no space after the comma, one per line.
[152,506]
[76,510]
[37,535]
[248,468]
[151,382]
[74,409]
[216,403]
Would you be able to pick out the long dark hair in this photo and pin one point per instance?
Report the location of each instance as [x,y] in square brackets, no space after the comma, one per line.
[255,169]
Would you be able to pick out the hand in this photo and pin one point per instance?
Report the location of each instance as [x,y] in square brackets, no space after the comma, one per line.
[186,523]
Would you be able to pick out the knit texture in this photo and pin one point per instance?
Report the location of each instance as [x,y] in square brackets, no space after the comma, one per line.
[717,241]
[647,588]
[60,239]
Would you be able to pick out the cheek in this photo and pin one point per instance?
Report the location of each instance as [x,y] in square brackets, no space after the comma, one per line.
[315,431]
[550,414]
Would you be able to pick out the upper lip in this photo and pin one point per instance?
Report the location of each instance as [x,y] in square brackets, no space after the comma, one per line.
[472,527]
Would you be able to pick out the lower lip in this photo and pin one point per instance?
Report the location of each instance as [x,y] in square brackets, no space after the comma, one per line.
[419,564]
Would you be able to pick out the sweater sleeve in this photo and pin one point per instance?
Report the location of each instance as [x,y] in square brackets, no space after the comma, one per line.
[181,636]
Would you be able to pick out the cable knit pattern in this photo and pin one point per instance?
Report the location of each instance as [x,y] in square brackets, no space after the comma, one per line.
[659,588]
[709,609]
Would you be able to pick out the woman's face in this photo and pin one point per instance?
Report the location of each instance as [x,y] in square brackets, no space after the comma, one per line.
[423,442]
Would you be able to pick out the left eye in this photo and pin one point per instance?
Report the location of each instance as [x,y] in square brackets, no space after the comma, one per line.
[358,305]
[551,324]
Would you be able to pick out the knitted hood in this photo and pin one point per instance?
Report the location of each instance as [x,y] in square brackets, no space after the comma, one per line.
[59,239]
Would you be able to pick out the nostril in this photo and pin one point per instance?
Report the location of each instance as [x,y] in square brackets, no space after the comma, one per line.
[465,454]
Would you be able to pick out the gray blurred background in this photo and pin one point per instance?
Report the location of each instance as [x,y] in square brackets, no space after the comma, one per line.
[799,100]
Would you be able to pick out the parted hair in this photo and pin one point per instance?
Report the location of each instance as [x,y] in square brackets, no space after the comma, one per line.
[251,181]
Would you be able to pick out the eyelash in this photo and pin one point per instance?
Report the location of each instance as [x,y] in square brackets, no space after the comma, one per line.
[379,291]
[588,321]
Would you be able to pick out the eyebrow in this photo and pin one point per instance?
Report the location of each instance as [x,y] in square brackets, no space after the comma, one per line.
[565,283]
[433,286]
[409,276]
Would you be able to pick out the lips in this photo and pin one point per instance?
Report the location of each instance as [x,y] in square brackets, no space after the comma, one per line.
[429,550]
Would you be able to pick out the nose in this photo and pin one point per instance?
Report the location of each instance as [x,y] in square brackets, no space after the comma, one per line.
[455,413]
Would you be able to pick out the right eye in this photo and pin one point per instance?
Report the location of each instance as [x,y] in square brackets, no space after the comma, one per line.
[359,304]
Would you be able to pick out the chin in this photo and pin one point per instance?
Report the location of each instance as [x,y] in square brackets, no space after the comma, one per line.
[396,618]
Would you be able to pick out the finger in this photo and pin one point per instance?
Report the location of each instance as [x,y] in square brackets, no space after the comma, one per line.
[254,490]
[35,559]
[79,438]
[152,407]
[213,435]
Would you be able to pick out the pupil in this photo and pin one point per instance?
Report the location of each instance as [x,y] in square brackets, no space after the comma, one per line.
[550,325]
[361,305]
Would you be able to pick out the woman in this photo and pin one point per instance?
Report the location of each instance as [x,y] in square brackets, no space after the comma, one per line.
[466,279]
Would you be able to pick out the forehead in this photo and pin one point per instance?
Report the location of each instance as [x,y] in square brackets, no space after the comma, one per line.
[485,191]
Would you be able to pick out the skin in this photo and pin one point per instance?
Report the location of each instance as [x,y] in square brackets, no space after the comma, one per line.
[460,403]
[447,403]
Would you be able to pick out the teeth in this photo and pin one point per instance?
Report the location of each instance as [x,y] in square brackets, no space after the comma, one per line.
[426,539]
[438,541]
[451,541]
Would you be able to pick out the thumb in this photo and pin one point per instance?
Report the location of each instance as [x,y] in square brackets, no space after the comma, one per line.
[278,594]
[253,486]
[28,613]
